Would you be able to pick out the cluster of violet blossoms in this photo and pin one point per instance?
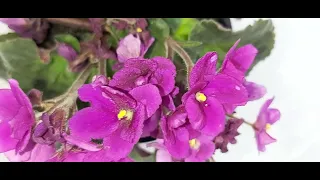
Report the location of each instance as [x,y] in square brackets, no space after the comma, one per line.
[138,101]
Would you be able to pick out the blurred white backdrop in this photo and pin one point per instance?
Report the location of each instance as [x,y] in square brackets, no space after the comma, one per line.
[290,74]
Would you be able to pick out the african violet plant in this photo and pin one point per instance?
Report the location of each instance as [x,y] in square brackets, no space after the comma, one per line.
[97,87]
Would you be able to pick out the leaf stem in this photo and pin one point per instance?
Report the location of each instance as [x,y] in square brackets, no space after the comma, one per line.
[246,122]
[183,54]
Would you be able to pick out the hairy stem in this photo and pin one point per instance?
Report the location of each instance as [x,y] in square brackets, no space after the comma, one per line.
[183,54]
[102,67]
[71,22]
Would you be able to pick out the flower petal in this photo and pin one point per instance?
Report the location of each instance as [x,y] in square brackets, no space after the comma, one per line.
[204,69]
[6,141]
[92,123]
[175,140]
[163,156]
[9,106]
[149,96]
[207,117]
[129,47]
[227,90]
[90,146]
[255,91]
[151,124]
[99,156]
[67,52]
[243,57]
[274,115]
[263,138]
[42,153]
[164,76]
[115,147]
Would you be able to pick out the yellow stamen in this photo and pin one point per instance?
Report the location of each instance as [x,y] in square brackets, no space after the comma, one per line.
[201,97]
[139,30]
[268,126]
[194,143]
[125,114]
[122,114]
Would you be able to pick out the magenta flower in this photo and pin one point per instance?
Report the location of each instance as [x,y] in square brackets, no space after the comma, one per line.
[228,135]
[28,27]
[208,93]
[136,72]
[16,119]
[236,64]
[267,116]
[114,122]
[131,46]
[200,149]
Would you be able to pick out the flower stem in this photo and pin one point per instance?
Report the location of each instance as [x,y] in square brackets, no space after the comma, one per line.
[71,22]
[102,67]
[246,122]
[183,54]
[81,79]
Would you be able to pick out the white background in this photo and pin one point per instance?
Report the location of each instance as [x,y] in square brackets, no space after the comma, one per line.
[291,73]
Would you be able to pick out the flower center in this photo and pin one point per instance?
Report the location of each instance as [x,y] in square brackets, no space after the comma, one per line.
[268,126]
[194,144]
[127,114]
[201,97]
[139,30]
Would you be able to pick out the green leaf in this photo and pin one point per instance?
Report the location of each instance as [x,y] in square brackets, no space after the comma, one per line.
[20,60]
[157,49]
[217,38]
[8,36]
[137,158]
[159,28]
[189,44]
[184,29]
[55,76]
[70,40]
[173,23]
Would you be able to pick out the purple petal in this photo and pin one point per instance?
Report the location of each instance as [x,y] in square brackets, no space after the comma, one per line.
[149,96]
[263,117]
[145,46]
[74,157]
[126,78]
[6,141]
[263,138]
[227,90]
[90,123]
[243,57]
[205,151]
[99,156]
[90,146]
[89,93]
[142,23]
[163,156]
[204,69]
[67,52]
[177,118]
[9,106]
[42,153]
[151,124]
[255,91]
[115,147]
[207,117]
[175,140]
[127,159]
[165,75]
[132,131]
[274,115]
[129,47]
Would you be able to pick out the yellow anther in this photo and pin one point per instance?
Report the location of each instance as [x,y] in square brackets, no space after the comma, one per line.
[125,114]
[192,142]
[139,30]
[201,97]
[268,126]
[122,114]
